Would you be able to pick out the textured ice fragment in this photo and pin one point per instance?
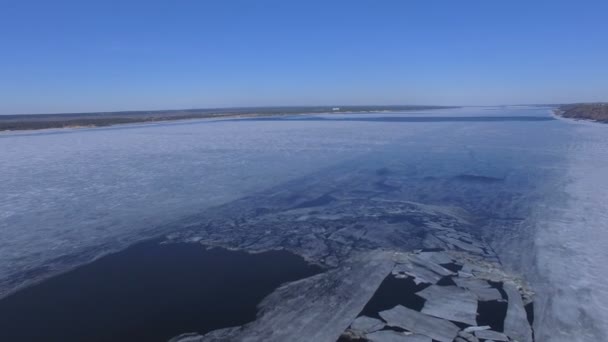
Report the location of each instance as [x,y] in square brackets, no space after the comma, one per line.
[467,336]
[516,321]
[436,257]
[462,245]
[480,288]
[450,302]
[491,335]
[422,269]
[394,336]
[467,268]
[477,328]
[431,266]
[420,274]
[472,283]
[416,322]
[431,241]
[366,324]
[187,337]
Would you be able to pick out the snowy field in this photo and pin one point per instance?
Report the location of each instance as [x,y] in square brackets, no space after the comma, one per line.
[66,192]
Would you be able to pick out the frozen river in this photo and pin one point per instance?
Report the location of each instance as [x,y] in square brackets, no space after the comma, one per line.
[67,196]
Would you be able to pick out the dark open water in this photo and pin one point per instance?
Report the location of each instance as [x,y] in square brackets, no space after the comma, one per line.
[148,292]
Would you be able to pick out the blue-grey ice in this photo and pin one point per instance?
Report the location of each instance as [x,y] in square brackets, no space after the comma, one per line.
[68,196]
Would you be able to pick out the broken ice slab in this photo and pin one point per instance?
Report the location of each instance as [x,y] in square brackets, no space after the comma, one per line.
[468,268]
[187,337]
[416,259]
[451,303]
[462,245]
[419,323]
[491,335]
[395,336]
[481,288]
[366,324]
[464,336]
[487,294]
[476,328]
[516,321]
[420,274]
[431,241]
[469,283]
[436,257]
[421,268]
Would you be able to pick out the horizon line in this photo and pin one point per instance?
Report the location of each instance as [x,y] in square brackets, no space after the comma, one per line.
[286,107]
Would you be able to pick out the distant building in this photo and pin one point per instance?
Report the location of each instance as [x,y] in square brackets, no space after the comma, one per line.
[335,108]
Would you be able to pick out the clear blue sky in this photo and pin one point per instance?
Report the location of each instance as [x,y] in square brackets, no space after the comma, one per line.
[87,55]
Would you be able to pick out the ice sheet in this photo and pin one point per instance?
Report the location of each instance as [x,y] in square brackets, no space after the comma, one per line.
[542,183]
[571,244]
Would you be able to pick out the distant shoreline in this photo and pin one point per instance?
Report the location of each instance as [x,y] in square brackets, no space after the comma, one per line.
[22,122]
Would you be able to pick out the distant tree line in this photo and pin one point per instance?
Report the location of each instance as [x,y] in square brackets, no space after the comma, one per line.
[44,121]
[589,111]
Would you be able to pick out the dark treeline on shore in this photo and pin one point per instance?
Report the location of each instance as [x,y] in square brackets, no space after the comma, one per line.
[67,120]
[587,111]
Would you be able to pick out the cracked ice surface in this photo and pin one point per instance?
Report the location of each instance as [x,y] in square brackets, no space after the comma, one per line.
[65,191]
[62,193]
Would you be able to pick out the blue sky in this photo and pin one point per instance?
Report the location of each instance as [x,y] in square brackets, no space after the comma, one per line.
[74,56]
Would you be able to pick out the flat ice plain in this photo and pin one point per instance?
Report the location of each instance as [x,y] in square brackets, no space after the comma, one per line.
[68,196]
